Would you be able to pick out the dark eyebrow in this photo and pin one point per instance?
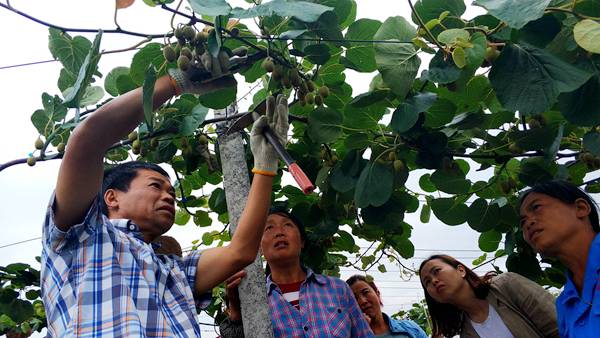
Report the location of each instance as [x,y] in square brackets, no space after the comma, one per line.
[162,182]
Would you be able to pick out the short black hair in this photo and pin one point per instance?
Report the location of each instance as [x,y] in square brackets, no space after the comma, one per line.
[281,209]
[566,192]
[120,176]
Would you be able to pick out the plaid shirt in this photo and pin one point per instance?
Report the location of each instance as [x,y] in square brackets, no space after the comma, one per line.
[101,279]
[327,309]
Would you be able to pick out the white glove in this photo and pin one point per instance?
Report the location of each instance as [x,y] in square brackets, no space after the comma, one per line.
[266,159]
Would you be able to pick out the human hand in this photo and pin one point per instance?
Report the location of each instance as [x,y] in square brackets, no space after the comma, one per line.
[196,77]
[266,158]
[234,310]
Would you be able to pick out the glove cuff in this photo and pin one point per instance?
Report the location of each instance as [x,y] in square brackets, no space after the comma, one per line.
[266,164]
[178,80]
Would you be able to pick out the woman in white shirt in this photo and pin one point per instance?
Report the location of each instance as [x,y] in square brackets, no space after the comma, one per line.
[499,306]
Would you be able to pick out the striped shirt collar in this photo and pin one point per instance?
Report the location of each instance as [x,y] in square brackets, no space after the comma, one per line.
[310,276]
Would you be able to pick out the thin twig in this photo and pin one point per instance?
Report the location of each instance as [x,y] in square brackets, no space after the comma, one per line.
[80,30]
[422,24]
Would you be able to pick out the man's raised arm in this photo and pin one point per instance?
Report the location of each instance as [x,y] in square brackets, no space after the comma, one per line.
[81,170]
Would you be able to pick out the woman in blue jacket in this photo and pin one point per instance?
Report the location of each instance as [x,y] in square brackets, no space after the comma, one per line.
[369,299]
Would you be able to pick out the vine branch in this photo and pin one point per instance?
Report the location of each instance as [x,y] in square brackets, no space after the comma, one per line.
[118,30]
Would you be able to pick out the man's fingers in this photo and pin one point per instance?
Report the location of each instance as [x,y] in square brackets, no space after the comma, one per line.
[238,275]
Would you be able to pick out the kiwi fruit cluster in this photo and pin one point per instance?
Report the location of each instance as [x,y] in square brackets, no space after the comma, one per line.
[591,161]
[308,93]
[191,44]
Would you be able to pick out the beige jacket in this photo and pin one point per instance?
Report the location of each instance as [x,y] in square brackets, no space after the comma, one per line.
[525,307]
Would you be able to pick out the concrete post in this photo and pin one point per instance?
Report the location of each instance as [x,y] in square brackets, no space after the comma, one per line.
[253,295]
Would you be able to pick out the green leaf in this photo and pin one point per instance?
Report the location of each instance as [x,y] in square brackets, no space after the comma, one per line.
[407,114]
[210,7]
[425,213]
[516,13]
[357,141]
[217,201]
[442,70]
[449,211]
[150,54]
[591,142]
[324,125]
[374,186]
[482,217]
[317,54]
[450,36]
[344,241]
[451,181]
[440,113]
[125,84]
[405,248]
[191,122]
[182,217]
[529,79]
[219,99]
[71,52]
[426,184]
[110,82]
[20,310]
[369,98]
[362,55]
[489,240]
[92,95]
[524,264]
[86,72]
[480,259]
[202,219]
[301,10]
[66,79]
[459,58]
[582,106]
[339,95]
[381,268]
[148,97]
[433,9]
[398,63]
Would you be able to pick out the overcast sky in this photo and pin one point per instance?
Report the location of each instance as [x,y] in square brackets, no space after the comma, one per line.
[25,190]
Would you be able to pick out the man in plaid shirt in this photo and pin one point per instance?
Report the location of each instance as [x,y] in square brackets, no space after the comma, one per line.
[301,302]
[100,274]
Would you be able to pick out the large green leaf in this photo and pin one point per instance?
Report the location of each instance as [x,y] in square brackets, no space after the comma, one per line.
[210,7]
[489,240]
[451,181]
[441,69]
[110,82]
[406,115]
[374,186]
[529,79]
[150,54]
[86,72]
[398,63]
[302,10]
[317,54]
[92,95]
[516,13]
[591,142]
[324,125]
[220,98]
[432,9]
[582,106]
[362,54]
[449,210]
[69,51]
[482,217]
[524,264]
[190,123]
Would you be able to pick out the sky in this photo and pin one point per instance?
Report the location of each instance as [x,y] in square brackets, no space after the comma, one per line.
[25,191]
